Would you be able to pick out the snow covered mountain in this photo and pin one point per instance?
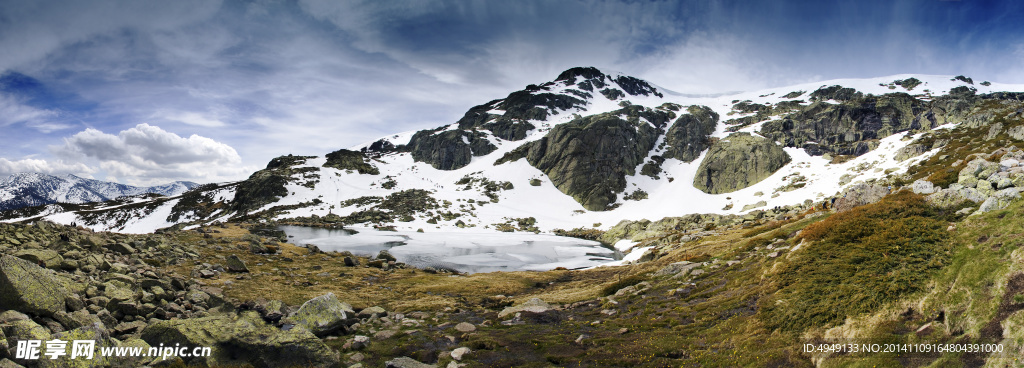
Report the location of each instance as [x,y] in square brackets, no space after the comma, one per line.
[591,149]
[34,189]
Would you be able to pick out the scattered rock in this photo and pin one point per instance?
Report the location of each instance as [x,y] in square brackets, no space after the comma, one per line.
[242,340]
[372,311]
[534,305]
[236,264]
[360,342]
[349,262]
[465,327]
[921,186]
[322,315]
[406,362]
[678,269]
[458,353]
[860,194]
[121,248]
[42,257]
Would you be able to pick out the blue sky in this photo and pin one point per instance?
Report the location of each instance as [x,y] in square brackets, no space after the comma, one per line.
[150,92]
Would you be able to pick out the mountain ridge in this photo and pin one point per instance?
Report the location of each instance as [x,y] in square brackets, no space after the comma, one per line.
[532,155]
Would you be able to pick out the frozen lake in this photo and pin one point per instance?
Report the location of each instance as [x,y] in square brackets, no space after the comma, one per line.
[465,251]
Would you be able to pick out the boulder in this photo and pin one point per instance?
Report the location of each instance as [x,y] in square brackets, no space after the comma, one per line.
[999,200]
[465,327]
[372,311]
[76,319]
[910,151]
[322,315]
[738,161]
[955,195]
[677,269]
[27,287]
[242,340]
[458,353]
[1016,132]
[860,194]
[92,332]
[43,257]
[534,305]
[3,344]
[121,248]
[921,186]
[406,362]
[236,264]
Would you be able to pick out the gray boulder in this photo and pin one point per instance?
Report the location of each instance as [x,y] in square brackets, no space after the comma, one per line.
[910,151]
[43,257]
[1016,132]
[739,161]
[860,194]
[921,186]
[677,269]
[236,264]
[322,315]
[406,362]
[955,195]
[534,305]
[999,200]
[242,340]
[27,287]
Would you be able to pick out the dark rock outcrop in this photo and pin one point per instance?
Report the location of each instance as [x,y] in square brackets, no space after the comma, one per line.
[268,185]
[738,161]
[850,128]
[344,159]
[589,157]
[448,149]
[690,134]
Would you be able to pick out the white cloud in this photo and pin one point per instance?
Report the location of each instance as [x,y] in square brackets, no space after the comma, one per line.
[8,167]
[147,154]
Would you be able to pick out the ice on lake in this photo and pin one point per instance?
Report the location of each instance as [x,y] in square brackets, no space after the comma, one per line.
[464,251]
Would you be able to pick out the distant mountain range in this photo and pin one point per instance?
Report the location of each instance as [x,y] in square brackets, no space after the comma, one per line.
[34,189]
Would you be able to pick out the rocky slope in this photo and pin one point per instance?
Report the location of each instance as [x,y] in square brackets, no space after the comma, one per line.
[590,149]
[33,189]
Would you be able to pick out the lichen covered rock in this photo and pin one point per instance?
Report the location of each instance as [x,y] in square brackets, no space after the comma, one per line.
[242,340]
[322,315]
[589,158]
[27,287]
[739,161]
[690,134]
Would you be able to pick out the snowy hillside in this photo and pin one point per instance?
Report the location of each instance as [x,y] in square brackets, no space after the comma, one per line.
[532,161]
